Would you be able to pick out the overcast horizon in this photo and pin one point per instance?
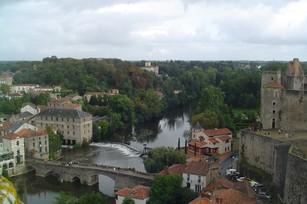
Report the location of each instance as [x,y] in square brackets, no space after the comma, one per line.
[154,29]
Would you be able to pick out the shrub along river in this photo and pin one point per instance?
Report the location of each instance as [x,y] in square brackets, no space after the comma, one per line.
[36,190]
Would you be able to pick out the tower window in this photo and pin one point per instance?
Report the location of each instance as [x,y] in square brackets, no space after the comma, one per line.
[273,111]
[272,78]
[274,103]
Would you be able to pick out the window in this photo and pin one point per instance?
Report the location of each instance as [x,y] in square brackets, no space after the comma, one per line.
[188,177]
[17,143]
[273,111]
[33,144]
[197,188]
[274,103]
[46,150]
[188,185]
[199,179]
[272,78]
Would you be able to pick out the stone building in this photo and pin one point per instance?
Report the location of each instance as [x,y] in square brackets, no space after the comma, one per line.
[74,125]
[283,105]
[279,148]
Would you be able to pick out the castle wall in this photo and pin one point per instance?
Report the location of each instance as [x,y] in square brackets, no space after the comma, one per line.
[293,116]
[266,153]
[296,181]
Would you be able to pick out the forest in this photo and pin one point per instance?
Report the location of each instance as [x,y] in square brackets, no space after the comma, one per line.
[223,93]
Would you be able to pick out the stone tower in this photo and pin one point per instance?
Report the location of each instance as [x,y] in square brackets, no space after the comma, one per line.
[271,93]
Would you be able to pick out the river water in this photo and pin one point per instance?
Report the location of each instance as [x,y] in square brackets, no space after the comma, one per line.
[35,190]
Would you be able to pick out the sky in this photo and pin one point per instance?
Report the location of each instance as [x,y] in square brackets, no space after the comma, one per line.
[154,29]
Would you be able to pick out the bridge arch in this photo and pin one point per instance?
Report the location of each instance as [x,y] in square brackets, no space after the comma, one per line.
[53,175]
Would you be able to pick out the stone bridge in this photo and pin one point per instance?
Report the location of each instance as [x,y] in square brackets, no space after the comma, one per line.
[87,174]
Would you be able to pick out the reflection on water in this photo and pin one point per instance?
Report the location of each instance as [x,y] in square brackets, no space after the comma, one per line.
[36,190]
[165,133]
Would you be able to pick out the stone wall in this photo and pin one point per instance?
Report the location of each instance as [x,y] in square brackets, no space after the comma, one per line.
[265,153]
[296,181]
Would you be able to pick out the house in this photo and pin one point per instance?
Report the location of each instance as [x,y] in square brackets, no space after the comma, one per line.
[30,107]
[64,103]
[23,88]
[209,142]
[195,175]
[173,169]
[6,159]
[139,194]
[14,145]
[223,191]
[88,95]
[6,78]
[75,125]
[151,68]
[36,143]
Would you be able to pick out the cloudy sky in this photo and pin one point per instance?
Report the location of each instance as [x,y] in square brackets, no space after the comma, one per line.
[154,29]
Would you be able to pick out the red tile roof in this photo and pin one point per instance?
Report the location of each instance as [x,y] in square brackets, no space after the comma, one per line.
[174,169]
[216,132]
[199,144]
[200,200]
[31,133]
[223,137]
[138,192]
[274,85]
[213,140]
[11,136]
[197,168]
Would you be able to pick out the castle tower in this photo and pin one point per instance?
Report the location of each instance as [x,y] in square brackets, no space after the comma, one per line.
[271,93]
[295,77]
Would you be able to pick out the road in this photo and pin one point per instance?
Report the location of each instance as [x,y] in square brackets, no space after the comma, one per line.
[226,164]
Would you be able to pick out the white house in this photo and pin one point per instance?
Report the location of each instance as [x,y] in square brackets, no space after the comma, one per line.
[6,159]
[23,88]
[151,68]
[195,175]
[31,108]
[139,194]
[14,144]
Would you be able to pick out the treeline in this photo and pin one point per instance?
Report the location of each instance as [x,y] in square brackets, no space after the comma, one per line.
[218,89]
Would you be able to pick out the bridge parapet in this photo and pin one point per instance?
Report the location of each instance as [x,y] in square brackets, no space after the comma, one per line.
[88,173]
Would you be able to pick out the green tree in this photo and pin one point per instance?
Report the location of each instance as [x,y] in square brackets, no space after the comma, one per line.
[92,198]
[208,119]
[55,143]
[167,190]
[128,201]
[65,198]
[159,158]
[4,88]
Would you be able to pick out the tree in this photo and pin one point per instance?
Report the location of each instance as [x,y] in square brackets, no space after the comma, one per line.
[167,190]
[159,158]
[55,143]
[207,119]
[92,198]
[4,88]
[128,201]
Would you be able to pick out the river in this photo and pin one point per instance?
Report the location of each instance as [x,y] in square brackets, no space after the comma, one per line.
[35,190]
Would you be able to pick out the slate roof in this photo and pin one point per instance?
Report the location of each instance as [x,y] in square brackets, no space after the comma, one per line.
[64,112]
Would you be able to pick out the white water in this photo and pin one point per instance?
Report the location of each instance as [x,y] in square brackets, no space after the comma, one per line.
[122,148]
